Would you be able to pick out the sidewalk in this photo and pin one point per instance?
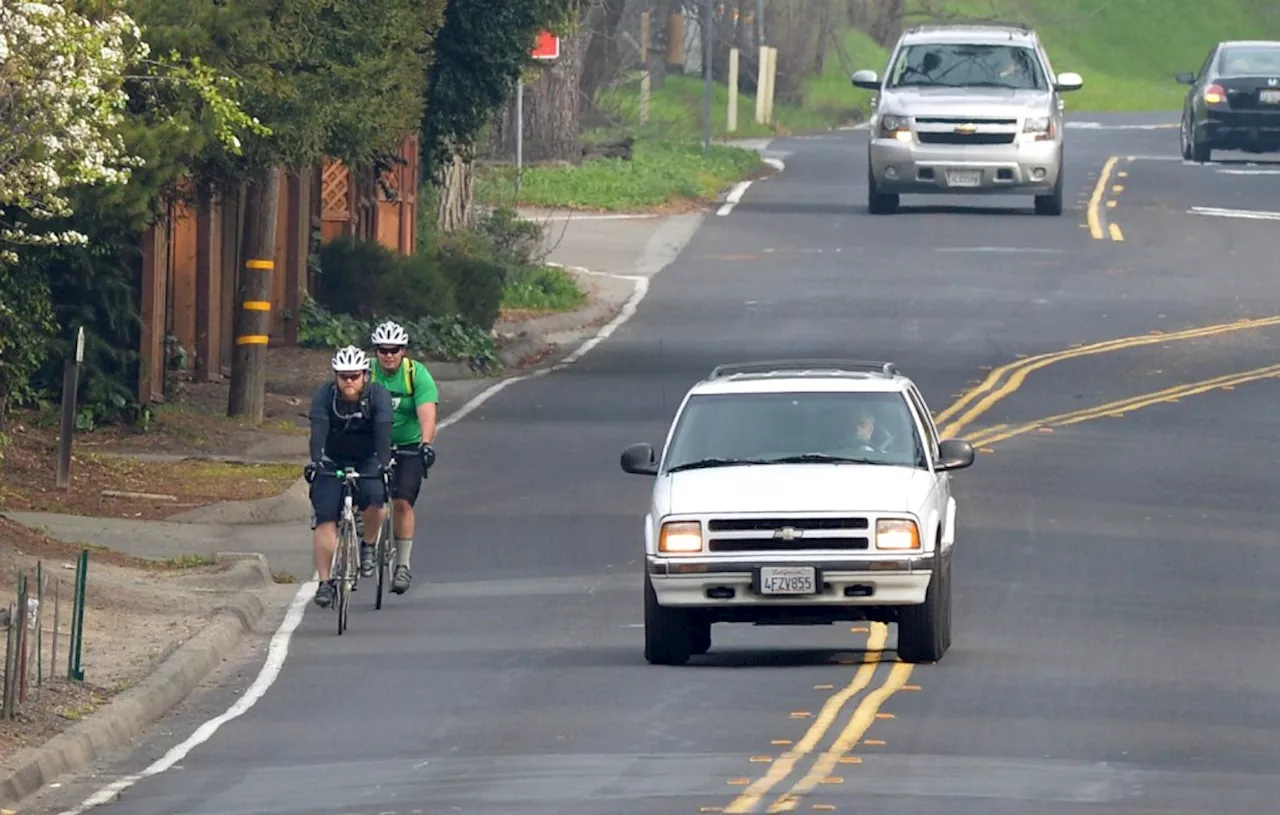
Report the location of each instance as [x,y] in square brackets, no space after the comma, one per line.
[604,253]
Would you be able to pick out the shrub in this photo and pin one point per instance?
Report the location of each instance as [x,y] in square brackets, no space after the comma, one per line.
[364,279]
[477,276]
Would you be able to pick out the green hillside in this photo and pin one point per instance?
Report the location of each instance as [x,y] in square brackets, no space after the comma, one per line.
[1128,51]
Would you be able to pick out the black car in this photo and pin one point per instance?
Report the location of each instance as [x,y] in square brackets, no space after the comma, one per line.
[1234,102]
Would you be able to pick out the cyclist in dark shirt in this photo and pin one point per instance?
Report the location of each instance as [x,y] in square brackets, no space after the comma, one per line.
[350,429]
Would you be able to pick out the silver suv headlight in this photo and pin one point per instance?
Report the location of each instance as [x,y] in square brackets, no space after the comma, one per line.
[895,127]
[1041,126]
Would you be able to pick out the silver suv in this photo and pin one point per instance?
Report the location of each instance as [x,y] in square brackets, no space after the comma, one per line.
[971,108]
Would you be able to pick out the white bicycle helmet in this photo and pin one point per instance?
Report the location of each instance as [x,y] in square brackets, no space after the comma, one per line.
[389,333]
[350,359]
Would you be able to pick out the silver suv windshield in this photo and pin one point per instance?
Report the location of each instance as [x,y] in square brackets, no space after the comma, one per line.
[717,430]
[961,65]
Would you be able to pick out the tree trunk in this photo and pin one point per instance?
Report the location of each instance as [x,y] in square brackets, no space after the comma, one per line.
[455,193]
[603,57]
[659,25]
[247,396]
[551,108]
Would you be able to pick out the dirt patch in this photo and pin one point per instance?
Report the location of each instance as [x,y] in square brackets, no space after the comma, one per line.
[136,614]
[105,485]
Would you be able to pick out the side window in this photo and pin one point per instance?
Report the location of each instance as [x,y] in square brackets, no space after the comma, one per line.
[926,418]
[1204,69]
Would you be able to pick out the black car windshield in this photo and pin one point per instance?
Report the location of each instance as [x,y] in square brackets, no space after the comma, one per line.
[961,65]
[1250,60]
[723,430]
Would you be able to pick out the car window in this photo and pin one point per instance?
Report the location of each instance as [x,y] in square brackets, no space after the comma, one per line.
[927,420]
[955,65]
[767,426]
[1249,60]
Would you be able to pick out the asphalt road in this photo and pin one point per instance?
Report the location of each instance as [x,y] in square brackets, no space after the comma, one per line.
[1116,636]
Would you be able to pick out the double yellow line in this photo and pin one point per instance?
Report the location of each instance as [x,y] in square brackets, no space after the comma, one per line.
[1094,214]
[1122,406]
[999,383]
[1006,379]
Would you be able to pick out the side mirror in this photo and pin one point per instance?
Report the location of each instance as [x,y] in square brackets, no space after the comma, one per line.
[1186,78]
[1069,82]
[639,459]
[867,80]
[954,454]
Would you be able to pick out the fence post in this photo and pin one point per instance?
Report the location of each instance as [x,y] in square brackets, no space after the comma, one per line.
[8,665]
[75,671]
[57,620]
[39,623]
[70,384]
[23,616]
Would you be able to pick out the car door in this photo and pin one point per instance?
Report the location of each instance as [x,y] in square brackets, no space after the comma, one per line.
[942,481]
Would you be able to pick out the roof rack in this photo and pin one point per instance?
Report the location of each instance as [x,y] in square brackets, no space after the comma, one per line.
[783,365]
[973,22]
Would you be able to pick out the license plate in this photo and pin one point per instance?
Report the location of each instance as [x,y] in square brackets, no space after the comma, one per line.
[1269,97]
[964,178]
[788,580]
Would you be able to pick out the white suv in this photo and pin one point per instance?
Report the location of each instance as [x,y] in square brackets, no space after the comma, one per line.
[800,492]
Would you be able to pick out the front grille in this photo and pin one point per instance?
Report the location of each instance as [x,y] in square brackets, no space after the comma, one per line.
[960,120]
[767,534]
[966,138]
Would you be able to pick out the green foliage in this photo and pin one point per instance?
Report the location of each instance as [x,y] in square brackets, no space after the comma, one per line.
[482,49]
[26,322]
[543,289]
[364,279]
[343,78]
[449,339]
[659,174]
[477,276]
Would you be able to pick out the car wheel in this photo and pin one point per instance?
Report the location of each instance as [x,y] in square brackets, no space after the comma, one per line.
[924,630]
[1183,139]
[1201,152]
[1052,204]
[699,637]
[879,203]
[667,639]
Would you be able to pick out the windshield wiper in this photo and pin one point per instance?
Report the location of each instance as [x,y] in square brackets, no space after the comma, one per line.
[823,458]
[704,463]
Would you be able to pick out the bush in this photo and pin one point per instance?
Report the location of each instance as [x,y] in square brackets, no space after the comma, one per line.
[477,276]
[365,279]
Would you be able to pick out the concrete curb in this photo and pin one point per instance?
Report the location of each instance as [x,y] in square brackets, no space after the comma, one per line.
[127,715]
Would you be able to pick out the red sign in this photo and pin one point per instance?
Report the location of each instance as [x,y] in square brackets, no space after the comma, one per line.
[547,47]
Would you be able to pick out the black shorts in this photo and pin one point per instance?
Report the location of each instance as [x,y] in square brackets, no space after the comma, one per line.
[326,493]
[406,480]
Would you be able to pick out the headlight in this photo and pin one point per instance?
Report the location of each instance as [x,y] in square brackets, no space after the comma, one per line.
[1042,126]
[895,127]
[893,533]
[680,538]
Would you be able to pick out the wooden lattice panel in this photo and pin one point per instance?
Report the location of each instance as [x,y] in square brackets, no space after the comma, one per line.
[335,192]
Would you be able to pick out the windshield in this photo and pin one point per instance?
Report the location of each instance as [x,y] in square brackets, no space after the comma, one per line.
[774,428]
[1250,60]
[956,65]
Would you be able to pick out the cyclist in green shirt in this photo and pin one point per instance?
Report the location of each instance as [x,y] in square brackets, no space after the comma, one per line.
[414,397]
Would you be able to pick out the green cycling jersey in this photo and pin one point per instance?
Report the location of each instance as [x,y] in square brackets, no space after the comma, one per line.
[405,428]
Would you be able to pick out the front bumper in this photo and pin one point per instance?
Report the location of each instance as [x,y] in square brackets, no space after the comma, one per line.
[1023,166]
[885,580]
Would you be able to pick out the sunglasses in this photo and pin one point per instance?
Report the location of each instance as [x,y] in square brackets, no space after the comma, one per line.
[350,377]
[390,350]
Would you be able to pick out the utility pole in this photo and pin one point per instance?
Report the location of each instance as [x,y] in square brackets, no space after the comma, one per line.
[247,396]
[706,74]
[759,24]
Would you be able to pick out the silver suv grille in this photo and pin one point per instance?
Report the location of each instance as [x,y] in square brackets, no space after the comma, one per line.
[784,534]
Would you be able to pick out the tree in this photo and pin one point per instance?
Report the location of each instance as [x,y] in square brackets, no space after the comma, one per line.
[336,78]
[481,51]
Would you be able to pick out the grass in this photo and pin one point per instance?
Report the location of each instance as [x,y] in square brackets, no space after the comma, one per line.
[660,174]
[1128,52]
[545,289]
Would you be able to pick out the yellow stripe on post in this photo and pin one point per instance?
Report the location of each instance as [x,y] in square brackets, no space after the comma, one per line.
[252,339]
[268,265]
[257,305]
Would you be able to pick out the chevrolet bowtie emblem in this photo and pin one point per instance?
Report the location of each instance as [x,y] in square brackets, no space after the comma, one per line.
[966,128]
[788,533]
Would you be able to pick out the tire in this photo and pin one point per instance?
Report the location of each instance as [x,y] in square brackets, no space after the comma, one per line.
[879,203]
[344,595]
[1197,150]
[1052,204]
[667,639]
[924,631]
[1184,140]
[382,555]
[699,637]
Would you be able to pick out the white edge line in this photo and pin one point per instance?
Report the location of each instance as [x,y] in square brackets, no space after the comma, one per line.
[1257,215]
[735,195]
[279,647]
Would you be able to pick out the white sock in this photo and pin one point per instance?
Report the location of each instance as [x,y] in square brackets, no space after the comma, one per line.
[404,547]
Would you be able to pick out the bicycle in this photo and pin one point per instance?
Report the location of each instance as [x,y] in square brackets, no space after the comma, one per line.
[344,567]
[384,553]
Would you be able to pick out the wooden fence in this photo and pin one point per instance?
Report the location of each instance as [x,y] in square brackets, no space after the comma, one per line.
[191,260]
